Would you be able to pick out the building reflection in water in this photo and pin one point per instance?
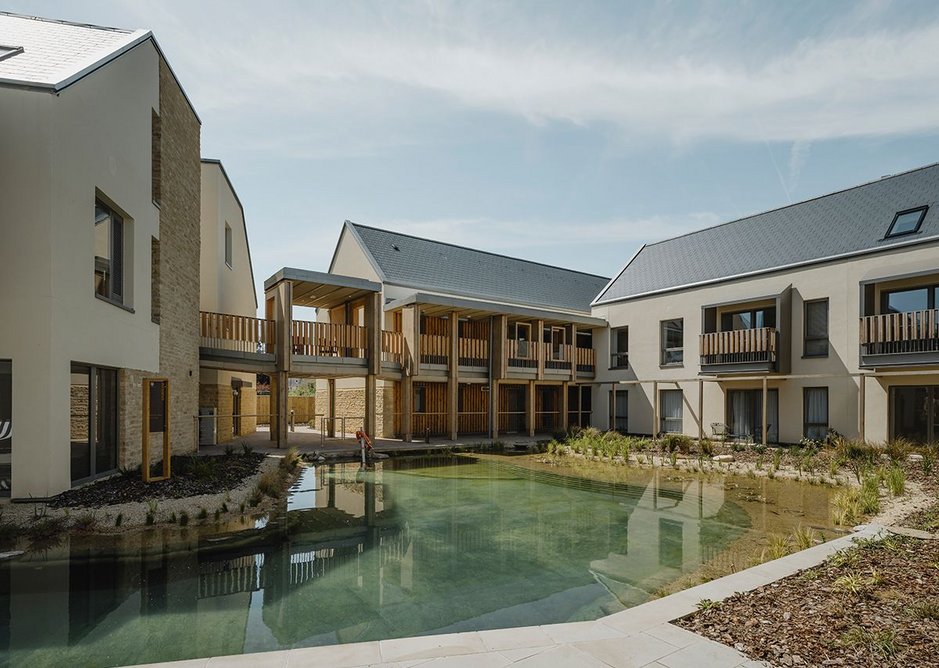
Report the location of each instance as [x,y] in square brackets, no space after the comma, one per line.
[358,556]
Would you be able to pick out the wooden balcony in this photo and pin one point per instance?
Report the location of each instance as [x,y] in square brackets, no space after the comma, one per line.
[739,350]
[893,339]
[323,339]
[236,333]
[435,349]
[392,347]
[473,352]
[586,359]
[521,354]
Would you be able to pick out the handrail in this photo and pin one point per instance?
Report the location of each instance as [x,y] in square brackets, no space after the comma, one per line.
[242,333]
[739,346]
[326,339]
[392,347]
[910,331]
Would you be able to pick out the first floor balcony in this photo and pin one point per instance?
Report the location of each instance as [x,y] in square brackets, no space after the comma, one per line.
[898,339]
[739,350]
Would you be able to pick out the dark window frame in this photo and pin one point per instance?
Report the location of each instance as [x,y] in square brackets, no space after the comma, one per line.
[664,351]
[117,265]
[919,223]
[229,246]
[619,359]
[92,371]
[663,420]
[752,312]
[420,399]
[931,295]
[806,339]
[805,410]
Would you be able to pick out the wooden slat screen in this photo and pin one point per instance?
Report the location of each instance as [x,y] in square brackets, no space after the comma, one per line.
[909,332]
[474,409]
[474,352]
[435,349]
[324,339]
[224,331]
[392,347]
[739,345]
[521,353]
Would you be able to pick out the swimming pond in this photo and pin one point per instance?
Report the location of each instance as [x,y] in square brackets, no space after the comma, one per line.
[417,546]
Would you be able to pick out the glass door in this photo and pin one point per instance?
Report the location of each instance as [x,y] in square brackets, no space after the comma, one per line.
[745,414]
[914,413]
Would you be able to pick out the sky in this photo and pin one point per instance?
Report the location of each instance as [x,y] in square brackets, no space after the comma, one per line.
[569,133]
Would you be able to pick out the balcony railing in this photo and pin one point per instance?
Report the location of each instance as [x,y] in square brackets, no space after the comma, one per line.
[586,360]
[324,339]
[435,349]
[521,354]
[223,331]
[392,347]
[557,356]
[900,333]
[739,346]
[474,352]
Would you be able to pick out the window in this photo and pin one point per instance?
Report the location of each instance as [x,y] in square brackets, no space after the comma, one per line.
[815,341]
[745,414]
[156,158]
[619,348]
[907,222]
[154,280]
[93,421]
[522,336]
[749,319]
[906,301]
[579,405]
[670,408]
[9,51]
[420,399]
[672,342]
[815,413]
[109,253]
[619,410]
[558,343]
[228,245]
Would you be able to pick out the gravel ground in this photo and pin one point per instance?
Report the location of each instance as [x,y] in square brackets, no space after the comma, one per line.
[229,489]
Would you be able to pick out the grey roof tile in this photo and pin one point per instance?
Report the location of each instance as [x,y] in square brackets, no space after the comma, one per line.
[442,267]
[841,223]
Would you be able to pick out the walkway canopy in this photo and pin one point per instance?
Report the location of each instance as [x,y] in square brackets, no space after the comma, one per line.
[316,289]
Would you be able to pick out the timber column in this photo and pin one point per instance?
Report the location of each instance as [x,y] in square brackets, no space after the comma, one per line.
[279,307]
[373,350]
[498,330]
[411,329]
[453,382]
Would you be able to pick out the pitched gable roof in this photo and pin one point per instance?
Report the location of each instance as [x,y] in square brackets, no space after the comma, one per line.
[841,224]
[436,266]
[56,53]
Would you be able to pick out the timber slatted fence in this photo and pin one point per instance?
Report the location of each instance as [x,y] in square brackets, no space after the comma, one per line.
[892,333]
[739,345]
[241,333]
[326,339]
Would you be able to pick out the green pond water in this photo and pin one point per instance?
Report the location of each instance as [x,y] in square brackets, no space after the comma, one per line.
[417,546]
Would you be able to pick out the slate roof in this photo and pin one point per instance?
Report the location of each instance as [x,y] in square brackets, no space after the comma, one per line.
[844,223]
[435,266]
[56,53]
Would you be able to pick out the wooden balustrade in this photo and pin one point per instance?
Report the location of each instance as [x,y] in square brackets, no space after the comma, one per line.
[473,352]
[898,333]
[392,347]
[739,346]
[521,353]
[557,357]
[324,339]
[224,331]
[586,359]
[435,349]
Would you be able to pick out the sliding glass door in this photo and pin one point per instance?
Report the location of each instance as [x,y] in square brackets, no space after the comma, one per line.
[745,414]
[914,413]
[93,401]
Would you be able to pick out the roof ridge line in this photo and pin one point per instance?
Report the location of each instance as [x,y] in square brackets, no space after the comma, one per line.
[799,203]
[476,250]
[76,24]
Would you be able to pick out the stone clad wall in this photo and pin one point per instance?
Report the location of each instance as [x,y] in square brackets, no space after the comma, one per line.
[350,403]
[178,276]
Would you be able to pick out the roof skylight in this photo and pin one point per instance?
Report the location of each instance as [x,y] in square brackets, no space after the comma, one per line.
[907,222]
[9,51]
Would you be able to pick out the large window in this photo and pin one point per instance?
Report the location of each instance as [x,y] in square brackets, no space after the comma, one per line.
[755,318]
[745,414]
[673,342]
[913,299]
[815,413]
[815,342]
[914,413]
[93,421]
[579,405]
[6,426]
[619,410]
[670,410]
[109,253]
[619,348]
